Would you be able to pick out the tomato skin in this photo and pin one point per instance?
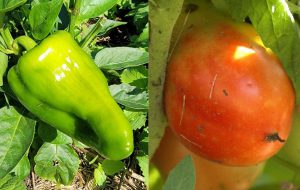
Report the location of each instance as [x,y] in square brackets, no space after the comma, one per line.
[209,175]
[225,95]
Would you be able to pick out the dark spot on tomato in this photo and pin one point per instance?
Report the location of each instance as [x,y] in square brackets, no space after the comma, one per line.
[159,31]
[191,8]
[225,92]
[191,26]
[222,186]
[200,128]
[274,137]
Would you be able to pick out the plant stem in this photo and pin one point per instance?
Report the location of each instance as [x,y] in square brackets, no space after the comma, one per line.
[294,8]
[23,42]
[92,34]
[7,37]
[74,14]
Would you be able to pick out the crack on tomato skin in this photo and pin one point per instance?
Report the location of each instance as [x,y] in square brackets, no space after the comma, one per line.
[191,142]
[183,110]
[273,137]
[213,86]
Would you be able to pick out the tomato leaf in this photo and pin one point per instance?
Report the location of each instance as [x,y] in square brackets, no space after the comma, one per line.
[239,10]
[272,179]
[182,176]
[277,27]
[16,135]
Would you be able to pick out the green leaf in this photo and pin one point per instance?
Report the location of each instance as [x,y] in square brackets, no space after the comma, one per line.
[130,96]
[239,10]
[143,141]
[118,58]
[94,8]
[143,161]
[140,15]
[8,5]
[51,135]
[143,39]
[136,119]
[277,27]
[22,170]
[156,180]
[56,162]
[43,16]
[111,167]
[182,176]
[135,76]
[275,173]
[16,135]
[3,66]
[99,176]
[106,25]
[11,182]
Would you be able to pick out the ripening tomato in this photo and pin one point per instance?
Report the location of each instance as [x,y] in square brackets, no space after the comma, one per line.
[209,175]
[226,96]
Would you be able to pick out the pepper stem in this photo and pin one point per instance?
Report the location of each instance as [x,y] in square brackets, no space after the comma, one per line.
[74,14]
[24,42]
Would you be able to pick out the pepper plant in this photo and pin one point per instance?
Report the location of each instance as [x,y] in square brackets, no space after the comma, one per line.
[74,94]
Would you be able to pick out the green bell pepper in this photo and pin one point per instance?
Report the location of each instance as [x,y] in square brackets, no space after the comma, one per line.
[59,83]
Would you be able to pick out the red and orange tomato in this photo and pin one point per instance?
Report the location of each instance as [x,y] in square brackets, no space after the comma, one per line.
[226,96]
